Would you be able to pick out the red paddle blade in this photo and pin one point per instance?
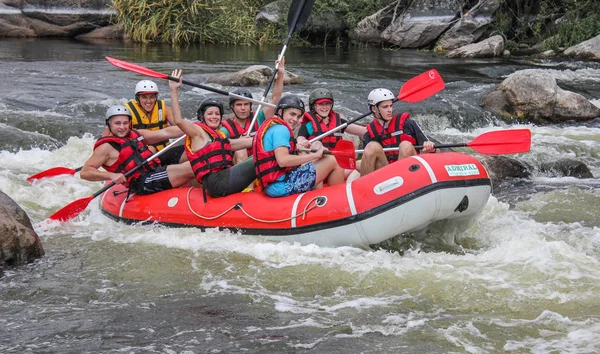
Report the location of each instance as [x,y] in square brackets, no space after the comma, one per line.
[72,209]
[136,68]
[344,154]
[52,172]
[421,87]
[502,142]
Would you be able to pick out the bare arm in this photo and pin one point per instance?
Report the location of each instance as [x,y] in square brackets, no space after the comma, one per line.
[278,89]
[156,136]
[101,156]
[189,128]
[284,159]
[356,129]
[243,142]
[169,116]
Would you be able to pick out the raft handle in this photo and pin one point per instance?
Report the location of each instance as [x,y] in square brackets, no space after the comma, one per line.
[413,168]
[463,205]
[321,201]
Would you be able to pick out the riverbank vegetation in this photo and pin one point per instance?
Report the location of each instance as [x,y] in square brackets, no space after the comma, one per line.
[190,21]
[549,24]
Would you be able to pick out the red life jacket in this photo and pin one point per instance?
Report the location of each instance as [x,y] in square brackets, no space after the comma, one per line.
[235,130]
[213,157]
[265,164]
[392,136]
[319,127]
[133,151]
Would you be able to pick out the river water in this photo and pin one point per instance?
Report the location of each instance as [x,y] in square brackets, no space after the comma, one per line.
[524,278]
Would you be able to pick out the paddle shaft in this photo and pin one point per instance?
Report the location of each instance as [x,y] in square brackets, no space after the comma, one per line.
[511,141]
[292,28]
[419,147]
[219,91]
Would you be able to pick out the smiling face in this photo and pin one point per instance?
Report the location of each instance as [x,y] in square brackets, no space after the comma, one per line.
[385,108]
[119,125]
[242,109]
[212,117]
[291,116]
[323,107]
[147,101]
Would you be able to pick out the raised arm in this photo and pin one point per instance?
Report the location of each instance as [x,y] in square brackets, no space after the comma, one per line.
[278,89]
[189,128]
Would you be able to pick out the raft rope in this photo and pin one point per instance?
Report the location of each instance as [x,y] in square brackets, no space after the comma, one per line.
[318,202]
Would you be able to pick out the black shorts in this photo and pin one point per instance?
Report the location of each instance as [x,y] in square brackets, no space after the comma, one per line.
[153,181]
[172,156]
[230,180]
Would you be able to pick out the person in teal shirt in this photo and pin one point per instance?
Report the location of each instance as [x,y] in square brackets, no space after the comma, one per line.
[279,169]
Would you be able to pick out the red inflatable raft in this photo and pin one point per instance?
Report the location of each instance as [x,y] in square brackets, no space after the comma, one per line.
[405,196]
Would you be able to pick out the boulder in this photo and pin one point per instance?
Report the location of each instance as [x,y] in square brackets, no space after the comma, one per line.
[421,23]
[368,29]
[589,49]
[501,167]
[566,168]
[255,75]
[321,22]
[491,47]
[470,27]
[272,12]
[16,26]
[534,95]
[59,18]
[108,32]
[19,243]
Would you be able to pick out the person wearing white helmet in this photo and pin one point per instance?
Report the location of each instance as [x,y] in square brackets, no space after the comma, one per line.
[153,114]
[389,131]
[124,148]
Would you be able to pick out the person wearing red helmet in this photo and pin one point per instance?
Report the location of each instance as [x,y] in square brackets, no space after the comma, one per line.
[321,118]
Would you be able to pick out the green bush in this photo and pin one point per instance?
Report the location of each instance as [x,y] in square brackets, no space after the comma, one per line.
[188,21]
[580,23]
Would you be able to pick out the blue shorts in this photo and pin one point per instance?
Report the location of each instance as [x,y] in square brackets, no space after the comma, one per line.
[299,180]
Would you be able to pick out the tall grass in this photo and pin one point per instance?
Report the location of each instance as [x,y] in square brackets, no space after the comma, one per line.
[189,21]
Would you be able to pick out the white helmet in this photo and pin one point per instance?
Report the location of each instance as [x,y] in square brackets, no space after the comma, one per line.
[116,111]
[379,95]
[146,86]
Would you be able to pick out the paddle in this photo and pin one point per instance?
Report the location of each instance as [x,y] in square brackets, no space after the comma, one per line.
[343,153]
[297,16]
[75,208]
[498,142]
[145,71]
[54,171]
[416,89]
